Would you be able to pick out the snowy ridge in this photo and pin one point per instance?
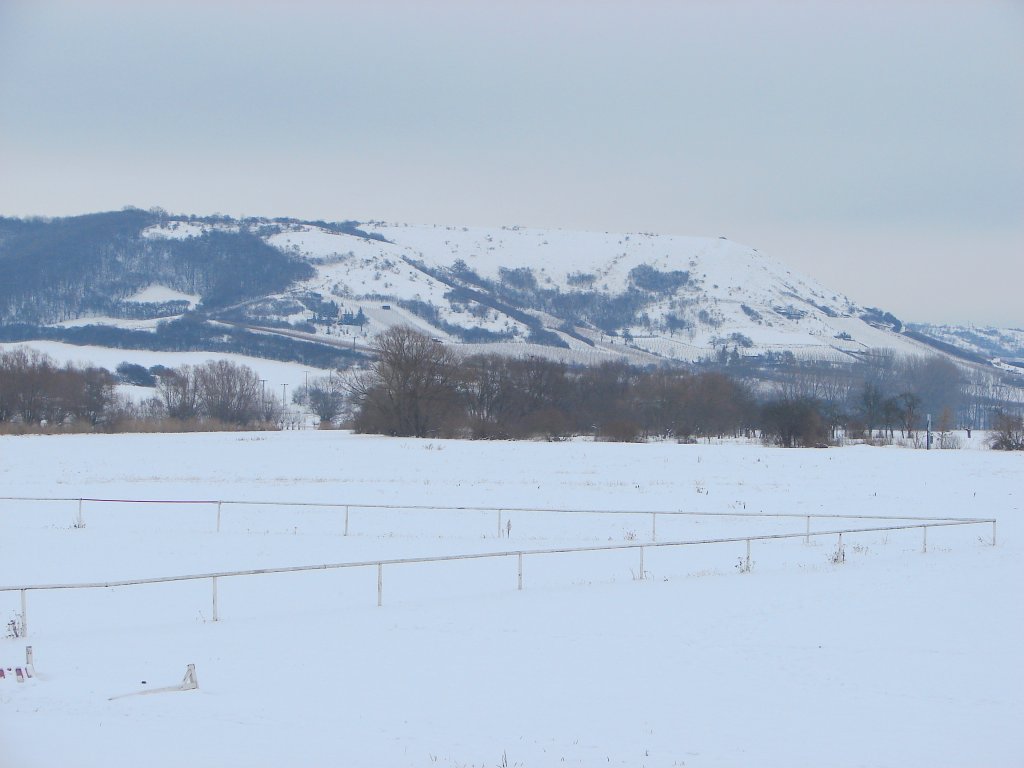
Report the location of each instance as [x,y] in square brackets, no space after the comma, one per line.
[646,297]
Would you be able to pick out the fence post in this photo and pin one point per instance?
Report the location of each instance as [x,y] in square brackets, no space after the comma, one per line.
[520,571]
[747,565]
[24,613]
[993,533]
[346,520]
[216,615]
[654,526]
[924,545]
[499,523]
[218,515]
[80,523]
[807,536]
[380,584]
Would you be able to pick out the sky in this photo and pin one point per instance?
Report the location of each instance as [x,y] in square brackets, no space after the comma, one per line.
[875,146]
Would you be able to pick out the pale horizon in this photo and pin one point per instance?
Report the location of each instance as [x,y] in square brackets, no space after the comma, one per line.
[874,148]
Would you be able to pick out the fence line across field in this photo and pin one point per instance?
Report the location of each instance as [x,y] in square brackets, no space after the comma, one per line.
[24,589]
[499,511]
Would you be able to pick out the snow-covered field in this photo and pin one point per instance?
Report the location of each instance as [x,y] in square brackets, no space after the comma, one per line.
[892,658]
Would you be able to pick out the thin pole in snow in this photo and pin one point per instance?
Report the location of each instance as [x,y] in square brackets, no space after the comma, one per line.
[520,571]
[380,584]
[24,613]
[924,545]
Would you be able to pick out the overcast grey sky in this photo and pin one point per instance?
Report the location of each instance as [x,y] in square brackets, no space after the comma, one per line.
[876,146]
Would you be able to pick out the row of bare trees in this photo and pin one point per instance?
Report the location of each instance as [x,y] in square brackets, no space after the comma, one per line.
[420,387]
[36,392]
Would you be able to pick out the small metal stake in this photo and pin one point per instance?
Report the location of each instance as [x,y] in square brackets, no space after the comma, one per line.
[216,614]
[993,533]
[380,584]
[807,536]
[346,520]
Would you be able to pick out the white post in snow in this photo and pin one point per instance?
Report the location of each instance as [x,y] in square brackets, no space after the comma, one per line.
[747,567]
[924,546]
[807,536]
[216,616]
[346,520]
[218,516]
[380,584]
[80,523]
[24,613]
[520,571]
[993,533]
[499,523]
[654,526]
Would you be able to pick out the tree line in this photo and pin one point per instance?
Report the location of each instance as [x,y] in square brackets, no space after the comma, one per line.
[419,387]
[36,394]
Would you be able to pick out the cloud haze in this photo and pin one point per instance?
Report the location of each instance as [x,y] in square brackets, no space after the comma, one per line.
[875,146]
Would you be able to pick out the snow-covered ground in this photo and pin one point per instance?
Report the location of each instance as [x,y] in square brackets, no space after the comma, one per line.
[892,658]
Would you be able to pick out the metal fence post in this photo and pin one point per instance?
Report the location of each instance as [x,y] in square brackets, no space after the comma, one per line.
[807,536]
[80,523]
[993,533]
[747,565]
[499,523]
[520,571]
[924,545]
[24,613]
[346,520]
[380,584]
[218,515]
[654,526]
[216,614]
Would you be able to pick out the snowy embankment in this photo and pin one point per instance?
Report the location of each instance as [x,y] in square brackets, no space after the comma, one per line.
[893,657]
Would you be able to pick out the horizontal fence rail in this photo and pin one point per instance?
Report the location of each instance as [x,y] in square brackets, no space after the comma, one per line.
[653,514]
[24,589]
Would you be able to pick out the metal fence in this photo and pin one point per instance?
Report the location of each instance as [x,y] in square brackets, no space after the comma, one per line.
[920,523]
[347,509]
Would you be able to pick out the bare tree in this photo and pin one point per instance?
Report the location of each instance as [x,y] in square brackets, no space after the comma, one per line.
[409,389]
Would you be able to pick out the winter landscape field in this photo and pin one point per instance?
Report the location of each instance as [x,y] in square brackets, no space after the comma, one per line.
[886,656]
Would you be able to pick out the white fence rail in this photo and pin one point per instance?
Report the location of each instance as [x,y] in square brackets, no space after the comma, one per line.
[499,512]
[519,555]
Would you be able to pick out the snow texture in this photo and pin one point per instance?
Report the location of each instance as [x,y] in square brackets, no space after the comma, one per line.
[892,658]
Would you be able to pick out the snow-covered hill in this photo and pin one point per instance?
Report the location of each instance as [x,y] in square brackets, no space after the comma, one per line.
[581,296]
[318,292]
